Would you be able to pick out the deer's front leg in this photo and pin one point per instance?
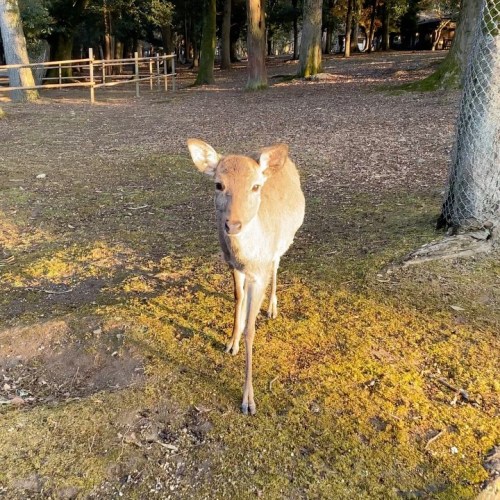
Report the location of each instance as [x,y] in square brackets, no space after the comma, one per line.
[255,293]
[272,311]
[233,345]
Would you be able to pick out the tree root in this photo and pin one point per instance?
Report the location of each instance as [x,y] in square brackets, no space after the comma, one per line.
[452,247]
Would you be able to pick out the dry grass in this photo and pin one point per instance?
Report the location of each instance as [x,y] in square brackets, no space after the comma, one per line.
[116,306]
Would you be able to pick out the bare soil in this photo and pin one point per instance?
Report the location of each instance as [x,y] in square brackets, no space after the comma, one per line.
[375,381]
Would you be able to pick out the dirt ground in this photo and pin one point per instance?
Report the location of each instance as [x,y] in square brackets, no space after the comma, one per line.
[375,381]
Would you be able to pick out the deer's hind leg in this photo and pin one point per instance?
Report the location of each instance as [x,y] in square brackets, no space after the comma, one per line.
[233,345]
[272,311]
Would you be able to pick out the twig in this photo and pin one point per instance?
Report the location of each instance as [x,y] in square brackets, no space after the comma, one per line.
[272,382]
[137,208]
[52,292]
[432,439]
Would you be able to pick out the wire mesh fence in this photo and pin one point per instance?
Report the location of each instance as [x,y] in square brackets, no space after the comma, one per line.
[472,200]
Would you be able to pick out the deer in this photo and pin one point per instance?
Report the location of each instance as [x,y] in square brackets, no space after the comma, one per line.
[259,207]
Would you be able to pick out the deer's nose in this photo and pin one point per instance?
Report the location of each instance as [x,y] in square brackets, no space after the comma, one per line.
[232,227]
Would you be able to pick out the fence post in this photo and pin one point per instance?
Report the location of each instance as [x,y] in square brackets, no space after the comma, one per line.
[150,61]
[158,69]
[173,72]
[91,75]
[136,57]
[103,71]
[60,74]
[165,72]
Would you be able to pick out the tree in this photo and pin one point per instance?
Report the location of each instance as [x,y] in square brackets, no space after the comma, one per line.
[348,28]
[256,45]
[371,32]
[473,196]
[225,55]
[14,44]
[310,46]
[206,72]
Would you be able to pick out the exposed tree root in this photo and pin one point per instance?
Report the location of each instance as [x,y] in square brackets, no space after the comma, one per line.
[452,247]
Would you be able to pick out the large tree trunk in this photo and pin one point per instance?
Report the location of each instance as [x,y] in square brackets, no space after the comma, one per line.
[206,71]
[473,196]
[386,19]
[119,50]
[372,25]
[168,44]
[348,28]
[356,13]
[14,44]
[225,53]
[329,26]
[310,45]
[256,44]
[295,30]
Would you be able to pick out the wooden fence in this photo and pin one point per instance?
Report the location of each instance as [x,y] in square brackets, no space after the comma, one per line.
[95,73]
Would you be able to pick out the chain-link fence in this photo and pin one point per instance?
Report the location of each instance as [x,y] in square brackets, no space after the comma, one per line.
[473,197]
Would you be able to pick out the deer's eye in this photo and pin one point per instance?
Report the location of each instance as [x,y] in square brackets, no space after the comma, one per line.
[255,187]
[219,186]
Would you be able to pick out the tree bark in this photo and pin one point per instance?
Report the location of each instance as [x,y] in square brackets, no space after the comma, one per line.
[372,25]
[295,30]
[348,26]
[473,195]
[256,44]
[225,54]
[206,71]
[168,44]
[386,19]
[119,49]
[14,44]
[310,46]
[356,13]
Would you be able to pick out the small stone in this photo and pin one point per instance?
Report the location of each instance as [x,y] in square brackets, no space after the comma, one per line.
[41,176]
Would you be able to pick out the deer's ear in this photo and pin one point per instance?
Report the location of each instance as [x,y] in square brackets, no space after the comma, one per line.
[273,158]
[204,156]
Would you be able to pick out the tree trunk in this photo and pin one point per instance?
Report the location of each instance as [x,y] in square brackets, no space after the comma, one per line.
[225,53]
[328,40]
[14,44]
[208,40]
[372,25]
[256,44]
[356,14]
[329,24]
[473,196]
[119,50]
[348,25]
[385,26]
[310,46]
[295,30]
[168,44]
[61,47]
[107,31]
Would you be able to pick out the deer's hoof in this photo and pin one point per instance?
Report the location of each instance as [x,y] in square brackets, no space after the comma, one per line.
[232,349]
[272,313]
[248,408]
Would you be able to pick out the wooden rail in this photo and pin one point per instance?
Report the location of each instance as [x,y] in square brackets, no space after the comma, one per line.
[157,68]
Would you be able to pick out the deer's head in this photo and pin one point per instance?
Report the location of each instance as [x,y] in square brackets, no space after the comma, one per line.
[238,180]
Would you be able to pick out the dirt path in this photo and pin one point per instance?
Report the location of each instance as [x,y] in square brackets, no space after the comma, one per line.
[115,306]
